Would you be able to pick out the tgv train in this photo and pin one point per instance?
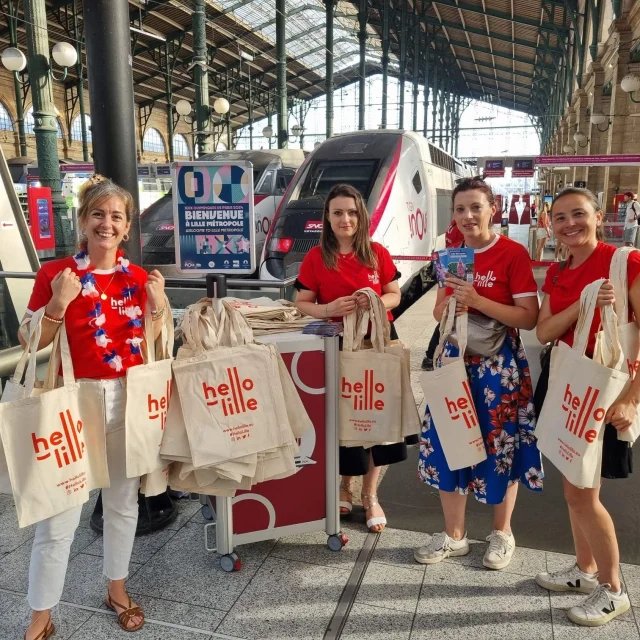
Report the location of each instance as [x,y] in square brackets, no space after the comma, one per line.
[273,170]
[406,182]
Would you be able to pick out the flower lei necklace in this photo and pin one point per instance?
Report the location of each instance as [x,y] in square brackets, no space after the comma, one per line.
[98,318]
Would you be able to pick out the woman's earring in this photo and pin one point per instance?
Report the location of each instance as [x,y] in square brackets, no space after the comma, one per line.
[125,237]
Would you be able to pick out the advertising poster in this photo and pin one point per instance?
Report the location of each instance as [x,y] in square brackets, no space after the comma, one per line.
[44,222]
[494,168]
[213,216]
[522,168]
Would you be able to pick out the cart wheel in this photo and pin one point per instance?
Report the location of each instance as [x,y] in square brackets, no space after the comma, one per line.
[206,512]
[337,541]
[230,563]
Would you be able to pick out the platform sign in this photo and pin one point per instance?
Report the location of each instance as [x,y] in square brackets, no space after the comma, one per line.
[612,160]
[522,168]
[213,217]
[494,168]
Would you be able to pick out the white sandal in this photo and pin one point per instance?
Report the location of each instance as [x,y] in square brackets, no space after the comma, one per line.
[373,522]
[347,506]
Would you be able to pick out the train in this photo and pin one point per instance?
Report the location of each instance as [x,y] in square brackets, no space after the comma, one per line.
[406,182]
[273,171]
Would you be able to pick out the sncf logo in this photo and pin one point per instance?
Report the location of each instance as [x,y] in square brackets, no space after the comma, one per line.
[463,408]
[65,445]
[231,394]
[364,393]
[580,411]
[158,408]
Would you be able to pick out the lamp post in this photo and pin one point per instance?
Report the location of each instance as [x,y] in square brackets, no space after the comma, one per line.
[44,116]
[597,119]
[580,139]
[221,106]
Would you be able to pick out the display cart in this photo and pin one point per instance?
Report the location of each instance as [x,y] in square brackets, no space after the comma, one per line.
[307,501]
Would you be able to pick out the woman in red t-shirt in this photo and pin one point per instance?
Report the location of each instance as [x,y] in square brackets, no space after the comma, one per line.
[504,290]
[576,217]
[346,260]
[101,298]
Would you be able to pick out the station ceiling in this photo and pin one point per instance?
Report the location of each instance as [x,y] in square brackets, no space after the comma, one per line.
[508,52]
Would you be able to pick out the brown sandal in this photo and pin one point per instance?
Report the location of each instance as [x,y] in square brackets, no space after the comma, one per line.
[125,616]
[46,633]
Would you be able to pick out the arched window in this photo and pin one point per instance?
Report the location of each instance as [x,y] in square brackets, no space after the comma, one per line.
[153,141]
[29,123]
[180,146]
[76,128]
[5,119]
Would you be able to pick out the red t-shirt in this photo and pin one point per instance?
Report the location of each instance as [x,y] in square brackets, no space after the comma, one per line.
[503,272]
[104,335]
[571,282]
[453,236]
[350,275]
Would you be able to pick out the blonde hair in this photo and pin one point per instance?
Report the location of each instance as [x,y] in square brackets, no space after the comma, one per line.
[98,188]
[361,241]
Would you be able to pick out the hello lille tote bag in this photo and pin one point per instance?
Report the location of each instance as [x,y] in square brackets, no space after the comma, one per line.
[447,393]
[571,424]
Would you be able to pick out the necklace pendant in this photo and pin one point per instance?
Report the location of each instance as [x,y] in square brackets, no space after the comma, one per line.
[103,296]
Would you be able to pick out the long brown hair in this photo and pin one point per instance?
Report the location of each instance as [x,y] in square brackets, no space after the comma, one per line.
[589,196]
[361,241]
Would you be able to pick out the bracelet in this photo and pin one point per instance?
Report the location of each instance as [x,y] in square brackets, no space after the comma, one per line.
[157,314]
[326,311]
[54,320]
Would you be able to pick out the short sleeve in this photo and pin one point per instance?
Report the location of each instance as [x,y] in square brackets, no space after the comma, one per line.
[386,267]
[41,294]
[308,274]
[552,272]
[522,284]
[633,266]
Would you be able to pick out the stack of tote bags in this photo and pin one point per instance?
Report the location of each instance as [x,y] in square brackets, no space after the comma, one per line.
[235,413]
[270,316]
[376,403]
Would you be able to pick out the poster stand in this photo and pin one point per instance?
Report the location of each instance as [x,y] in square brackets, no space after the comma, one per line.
[308,501]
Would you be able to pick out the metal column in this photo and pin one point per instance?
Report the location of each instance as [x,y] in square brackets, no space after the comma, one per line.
[329,66]
[426,84]
[108,44]
[228,114]
[168,83]
[385,63]
[362,86]
[416,69]
[281,74]
[447,97]
[80,84]
[44,116]
[403,62]
[434,91]
[441,106]
[17,87]
[250,110]
[201,77]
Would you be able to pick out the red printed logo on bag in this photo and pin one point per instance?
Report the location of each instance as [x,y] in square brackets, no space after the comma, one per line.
[580,411]
[463,407]
[158,408]
[363,394]
[65,445]
[230,394]
[633,367]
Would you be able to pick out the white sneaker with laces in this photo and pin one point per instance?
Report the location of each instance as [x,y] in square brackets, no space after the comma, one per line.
[572,579]
[501,548]
[440,547]
[600,607]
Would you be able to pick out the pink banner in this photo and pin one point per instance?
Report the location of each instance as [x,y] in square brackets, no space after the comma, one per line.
[568,161]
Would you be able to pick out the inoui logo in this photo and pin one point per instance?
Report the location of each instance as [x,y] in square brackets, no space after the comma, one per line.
[418,224]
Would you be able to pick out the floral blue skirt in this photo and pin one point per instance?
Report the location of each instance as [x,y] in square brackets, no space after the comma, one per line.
[503,395]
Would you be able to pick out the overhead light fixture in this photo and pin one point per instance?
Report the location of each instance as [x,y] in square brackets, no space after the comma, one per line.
[183,107]
[221,106]
[630,83]
[14,60]
[246,56]
[267,132]
[148,34]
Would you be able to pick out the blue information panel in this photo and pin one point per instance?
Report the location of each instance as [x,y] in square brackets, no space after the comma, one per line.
[213,216]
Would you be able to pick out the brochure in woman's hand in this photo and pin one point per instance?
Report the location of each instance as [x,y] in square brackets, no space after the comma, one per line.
[457,262]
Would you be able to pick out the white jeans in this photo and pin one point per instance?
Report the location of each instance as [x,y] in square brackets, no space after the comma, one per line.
[53,538]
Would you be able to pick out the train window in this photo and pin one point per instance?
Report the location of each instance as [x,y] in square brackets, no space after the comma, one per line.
[417,183]
[325,174]
[284,177]
[444,209]
[265,186]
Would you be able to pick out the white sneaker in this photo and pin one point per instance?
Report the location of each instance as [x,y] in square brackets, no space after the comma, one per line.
[440,547]
[572,579]
[600,607]
[501,548]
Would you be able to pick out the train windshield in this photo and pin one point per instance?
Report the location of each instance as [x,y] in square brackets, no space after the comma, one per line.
[325,174]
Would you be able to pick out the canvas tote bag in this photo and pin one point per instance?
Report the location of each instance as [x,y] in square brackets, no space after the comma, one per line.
[628,333]
[447,392]
[370,404]
[148,399]
[227,400]
[580,393]
[55,442]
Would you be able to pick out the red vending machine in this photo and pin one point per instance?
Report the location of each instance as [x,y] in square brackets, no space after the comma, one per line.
[41,221]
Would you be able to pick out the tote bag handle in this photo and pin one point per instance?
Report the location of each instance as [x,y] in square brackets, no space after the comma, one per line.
[618,277]
[29,353]
[447,323]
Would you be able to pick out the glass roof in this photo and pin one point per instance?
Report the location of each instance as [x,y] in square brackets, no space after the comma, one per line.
[305,31]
